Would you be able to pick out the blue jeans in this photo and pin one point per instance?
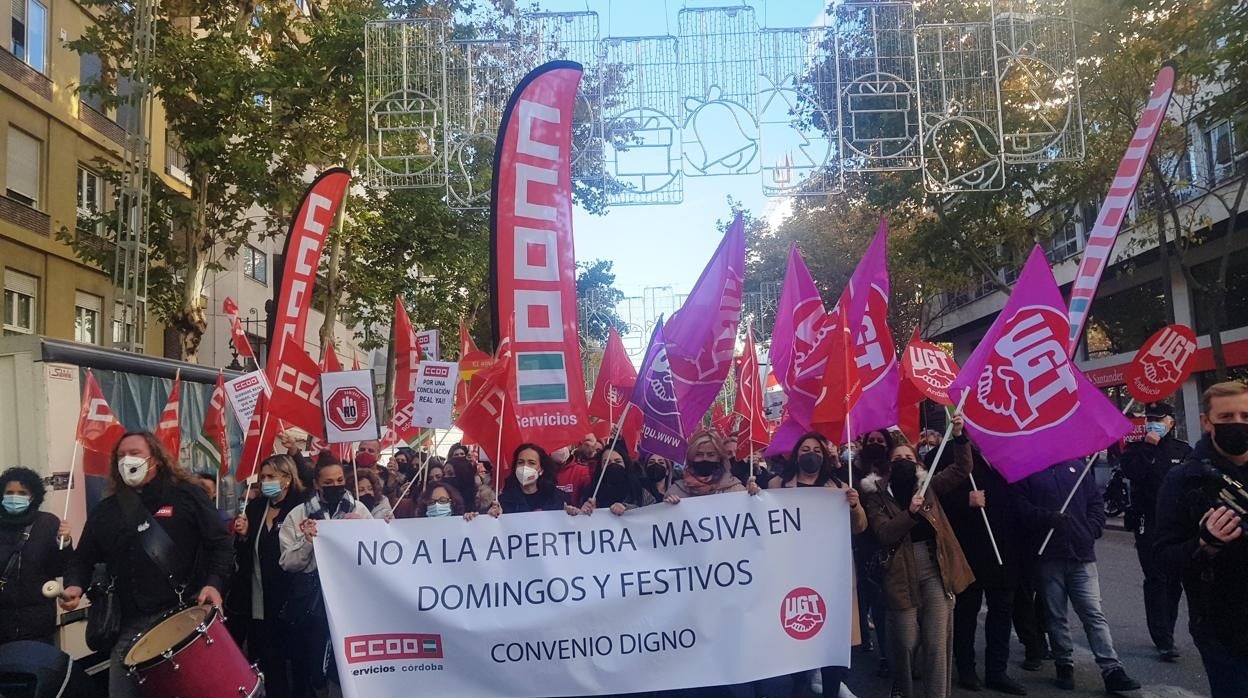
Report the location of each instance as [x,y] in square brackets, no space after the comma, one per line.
[1228,674]
[1066,580]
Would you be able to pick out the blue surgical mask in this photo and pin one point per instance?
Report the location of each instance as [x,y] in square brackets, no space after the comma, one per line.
[16,503]
[436,510]
[271,489]
[1158,428]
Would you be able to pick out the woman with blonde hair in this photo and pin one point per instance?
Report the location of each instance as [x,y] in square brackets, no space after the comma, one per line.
[708,470]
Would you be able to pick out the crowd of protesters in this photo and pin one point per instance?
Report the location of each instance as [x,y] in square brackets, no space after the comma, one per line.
[925,563]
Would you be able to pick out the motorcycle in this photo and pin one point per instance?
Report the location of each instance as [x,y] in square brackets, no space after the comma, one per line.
[1117,493]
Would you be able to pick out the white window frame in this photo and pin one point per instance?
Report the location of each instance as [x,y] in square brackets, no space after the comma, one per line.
[18,161]
[24,53]
[90,206]
[87,305]
[20,285]
[137,327]
[252,253]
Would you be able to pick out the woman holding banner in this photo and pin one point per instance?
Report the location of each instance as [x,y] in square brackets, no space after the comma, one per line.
[440,500]
[923,565]
[707,470]
[303,607]
[461,473]
[260,584]
[659,473]
[621,485]
[531,485]
[812,463]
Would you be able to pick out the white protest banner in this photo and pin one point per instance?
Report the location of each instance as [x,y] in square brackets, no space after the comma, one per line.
[715,590]
[435,394]
[350,411]
[243,392]
[427,340]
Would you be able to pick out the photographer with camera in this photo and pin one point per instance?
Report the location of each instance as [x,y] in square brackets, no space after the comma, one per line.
[1201,533]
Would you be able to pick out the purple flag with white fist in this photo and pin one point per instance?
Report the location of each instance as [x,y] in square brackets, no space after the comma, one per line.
[1029,405]
[702,335]
[654,394]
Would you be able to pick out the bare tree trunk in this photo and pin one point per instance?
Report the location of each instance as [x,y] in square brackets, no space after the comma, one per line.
[190,321]
[333,286]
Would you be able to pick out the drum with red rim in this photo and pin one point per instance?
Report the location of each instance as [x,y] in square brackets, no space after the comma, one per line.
[190,654]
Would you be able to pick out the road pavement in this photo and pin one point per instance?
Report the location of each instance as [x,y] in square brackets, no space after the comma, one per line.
[1123,601]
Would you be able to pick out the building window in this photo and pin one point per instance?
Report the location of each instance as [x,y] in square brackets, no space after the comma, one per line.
[87,309]
[30,33]
[90,200]
[255,264]
[1227,144]
[89,71]
[24,163]
[20,294]
[176,163]
[1122,321]
[1234,306]
[128,326]
[1065,243]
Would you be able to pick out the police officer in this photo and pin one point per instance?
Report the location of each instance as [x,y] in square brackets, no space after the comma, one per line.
[1145,463]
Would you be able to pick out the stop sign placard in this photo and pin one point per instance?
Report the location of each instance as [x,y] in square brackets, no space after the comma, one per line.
[350,414]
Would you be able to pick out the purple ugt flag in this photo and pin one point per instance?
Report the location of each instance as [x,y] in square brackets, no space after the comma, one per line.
[655,395]
[1029,405]
[702,335]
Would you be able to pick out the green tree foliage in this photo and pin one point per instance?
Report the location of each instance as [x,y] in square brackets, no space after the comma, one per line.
[598,299]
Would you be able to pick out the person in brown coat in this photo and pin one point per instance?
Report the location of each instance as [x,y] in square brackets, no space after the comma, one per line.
[926,567]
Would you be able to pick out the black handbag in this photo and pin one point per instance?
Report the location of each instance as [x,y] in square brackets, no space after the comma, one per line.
[877,565]
[104,613]
[304,605]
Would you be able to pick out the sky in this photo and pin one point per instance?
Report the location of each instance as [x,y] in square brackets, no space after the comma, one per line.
[657,246]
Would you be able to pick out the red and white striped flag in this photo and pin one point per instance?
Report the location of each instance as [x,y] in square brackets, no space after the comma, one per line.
[169,429]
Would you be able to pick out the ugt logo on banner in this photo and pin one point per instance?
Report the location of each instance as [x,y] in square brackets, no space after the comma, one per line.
[1028,383]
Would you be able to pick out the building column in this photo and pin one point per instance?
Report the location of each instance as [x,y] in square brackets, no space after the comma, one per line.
[1189,395]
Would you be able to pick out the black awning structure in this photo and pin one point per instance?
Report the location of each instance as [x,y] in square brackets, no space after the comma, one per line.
[101,358]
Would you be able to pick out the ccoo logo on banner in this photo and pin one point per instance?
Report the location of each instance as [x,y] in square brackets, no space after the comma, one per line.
[716,590]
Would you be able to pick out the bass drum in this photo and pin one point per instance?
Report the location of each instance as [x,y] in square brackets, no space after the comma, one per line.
[190,654]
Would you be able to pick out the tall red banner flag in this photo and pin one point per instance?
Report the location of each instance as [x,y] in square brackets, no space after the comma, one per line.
[304,244]
[532,261]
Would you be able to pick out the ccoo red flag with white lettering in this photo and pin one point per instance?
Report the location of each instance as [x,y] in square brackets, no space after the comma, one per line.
[98,428]
[532,262]
[169,428]
[304,243]
[296,397]
[215,425]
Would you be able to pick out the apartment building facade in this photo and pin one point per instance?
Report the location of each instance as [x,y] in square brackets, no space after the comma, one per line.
[1131,300]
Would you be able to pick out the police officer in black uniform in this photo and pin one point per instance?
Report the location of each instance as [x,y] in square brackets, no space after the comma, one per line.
[1145,463]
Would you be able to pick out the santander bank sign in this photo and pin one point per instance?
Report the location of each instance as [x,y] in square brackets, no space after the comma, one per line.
[532,262]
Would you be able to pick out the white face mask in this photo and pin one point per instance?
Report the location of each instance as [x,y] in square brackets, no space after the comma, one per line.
[526,474]
[133,469]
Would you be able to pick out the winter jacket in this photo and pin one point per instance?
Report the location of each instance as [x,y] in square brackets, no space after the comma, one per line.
[297,554]
[515,501]
[24,612]
[1146,465]
[573,479]
[1215,581]
[891,523]
[202,556]
[689,486]
[1040,497]
[1008,530]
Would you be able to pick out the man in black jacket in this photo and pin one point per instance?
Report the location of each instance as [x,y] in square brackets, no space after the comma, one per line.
[1202,536]
[994,581]
[149,489]
[1145,463]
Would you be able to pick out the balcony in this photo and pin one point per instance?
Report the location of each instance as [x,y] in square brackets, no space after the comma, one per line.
[15,68]
[93,244]
[23,216]
[101,123]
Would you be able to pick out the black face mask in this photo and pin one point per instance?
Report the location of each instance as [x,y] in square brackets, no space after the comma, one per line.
[656,473]
[332,495]
[810,463]
[874,453]
[368,500]
[902,478]
[614,487]
[704,468]
[1231,438]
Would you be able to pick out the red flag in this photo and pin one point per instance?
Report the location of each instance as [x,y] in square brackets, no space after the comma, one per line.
[532,262]
[406,370]
[616,377]
[492,406]
[297,390]
[308,230]
[929,369]
[98,428]
[909,397]
[842,385]
[749,404]
[169,429]
[215,424]
[237,336]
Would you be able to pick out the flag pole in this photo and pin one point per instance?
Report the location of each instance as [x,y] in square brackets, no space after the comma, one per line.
[1087,466]
[927,481]
[498,451]
[424,469]
[69,491]
[991,538]
[615,436]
